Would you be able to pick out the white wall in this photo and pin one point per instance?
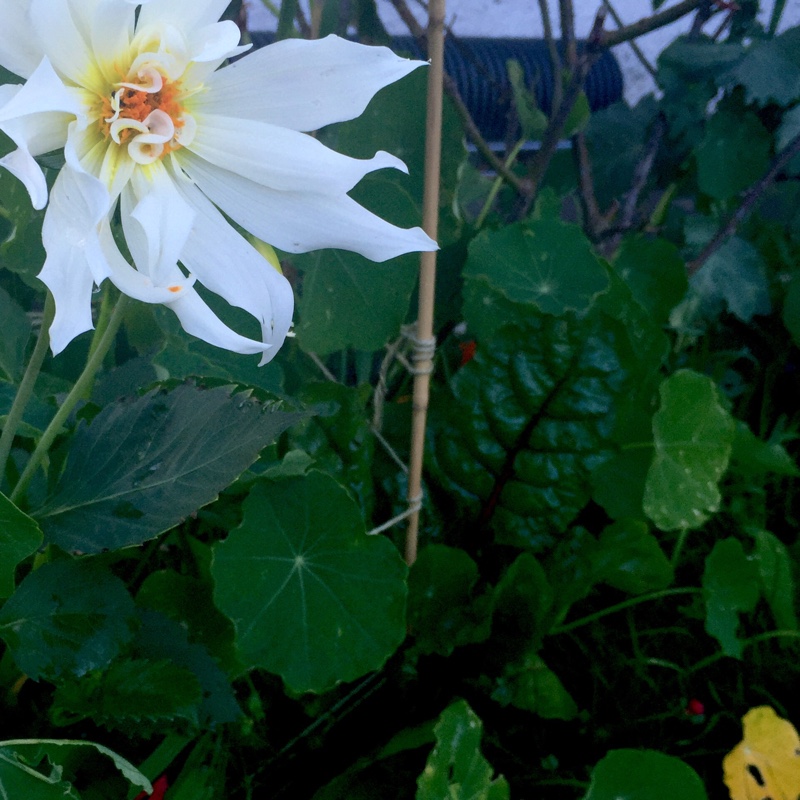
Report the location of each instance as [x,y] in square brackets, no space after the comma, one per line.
[520,18]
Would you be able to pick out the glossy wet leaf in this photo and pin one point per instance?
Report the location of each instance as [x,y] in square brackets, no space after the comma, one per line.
[20,537]
[693,438]
[525,423]
[731,587]
[456,768]
[325,602]
[67,618]
[766,763]
[144,465]
[644,775]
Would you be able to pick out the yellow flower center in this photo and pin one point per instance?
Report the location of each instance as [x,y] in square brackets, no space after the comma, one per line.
[146,115]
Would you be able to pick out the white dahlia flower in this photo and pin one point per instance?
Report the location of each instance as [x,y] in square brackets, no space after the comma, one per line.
[150,125]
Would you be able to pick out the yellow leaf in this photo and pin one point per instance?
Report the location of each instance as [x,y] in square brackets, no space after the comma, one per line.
[765,765]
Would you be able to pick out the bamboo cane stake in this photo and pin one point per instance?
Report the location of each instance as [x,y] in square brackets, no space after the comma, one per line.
[424,341]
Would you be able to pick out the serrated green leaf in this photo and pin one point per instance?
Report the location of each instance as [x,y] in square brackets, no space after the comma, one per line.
[545,263]
[644,775]
[733,154]
[775,573]
[526,422]
[443,612]
[456,768]
[131,692]
[142,466]
[736,276]
[632,558]
[326,603]
[20,537]
[731,587]
[14,341]
[162,638]
[693,438]
[67,618]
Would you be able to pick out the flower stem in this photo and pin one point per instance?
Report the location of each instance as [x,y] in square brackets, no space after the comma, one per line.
[633,601]
[85,379]
[25,390]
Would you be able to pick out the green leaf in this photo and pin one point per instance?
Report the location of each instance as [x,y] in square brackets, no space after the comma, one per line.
[733,154]
[348,301]
[188,601]
[14,341]
[735,275]
[162,638]
[618,484]
[731,587]
[655,272]
[339,436]
[130,693]
[33,778]
[143,466]
[545,263]
[67,618]
[752,456]
[693,438]
[531,685]
[525,423]
[20,537]
[644,775]
[325,603]
[776,578]
[770,70]
[443,612]
[533,120]
[633,559]
[456,768]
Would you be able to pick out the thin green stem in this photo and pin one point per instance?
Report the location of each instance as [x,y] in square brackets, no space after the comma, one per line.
[85,379]
[25,390]
[633,601]
[498,183]
[676,553]
[761,637]
[172,745]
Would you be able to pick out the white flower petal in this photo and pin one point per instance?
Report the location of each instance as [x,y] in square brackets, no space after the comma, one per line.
[216,42]
[65,46]
[164,218]
[200,321]
[134,283]
[44,91]
[22,165]
[186,15]
[280,158]
[19,51]
[302,84]
[110,30]
[301,221]
[74,261]
[227,264]
[67,275]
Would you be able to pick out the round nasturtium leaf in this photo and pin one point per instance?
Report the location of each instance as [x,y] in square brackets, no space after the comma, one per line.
[644,775]
[312,597]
